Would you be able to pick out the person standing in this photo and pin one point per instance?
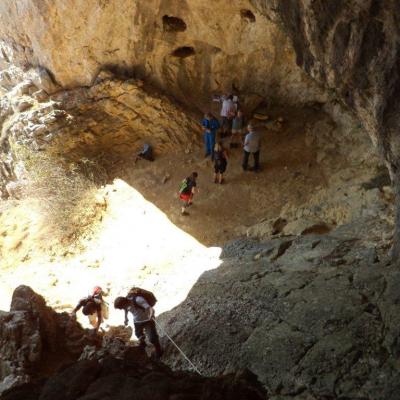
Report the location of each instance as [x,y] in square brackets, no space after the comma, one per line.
[237,129]
[143,319]
[252,145]
[210,125]
[228,111]
[187,190]
[220,163]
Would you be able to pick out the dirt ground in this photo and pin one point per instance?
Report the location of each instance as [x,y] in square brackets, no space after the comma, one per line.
[141,238]
[289,173]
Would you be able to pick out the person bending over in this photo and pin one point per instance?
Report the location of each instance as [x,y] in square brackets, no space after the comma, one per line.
[92,307]
[143,320]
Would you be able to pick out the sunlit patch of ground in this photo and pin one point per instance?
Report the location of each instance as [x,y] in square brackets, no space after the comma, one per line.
[138,235]
[135,244]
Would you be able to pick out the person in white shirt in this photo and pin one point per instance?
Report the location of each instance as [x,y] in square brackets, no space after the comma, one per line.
[143,320]
[252,145]
[228,111]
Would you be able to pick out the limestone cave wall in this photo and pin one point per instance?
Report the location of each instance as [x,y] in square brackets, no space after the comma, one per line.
[352,48]
[285,51]
[190,48]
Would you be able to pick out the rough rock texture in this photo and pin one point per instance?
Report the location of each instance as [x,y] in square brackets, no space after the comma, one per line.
[195,48]
[135,379]
[352,47]
[315,316]
[35,340]
[189,48]
[113,116]
[120,371]
[356,184]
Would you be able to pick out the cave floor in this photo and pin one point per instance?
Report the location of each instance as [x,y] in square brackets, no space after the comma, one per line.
[140,237]
[289,175]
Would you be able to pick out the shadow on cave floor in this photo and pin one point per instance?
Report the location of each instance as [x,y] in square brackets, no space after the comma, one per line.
[142,234]
[289,175]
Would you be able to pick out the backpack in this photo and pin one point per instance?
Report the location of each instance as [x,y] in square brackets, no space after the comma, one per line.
[219,157]
[146,294]
[89,308]
[184,186]
[147,152]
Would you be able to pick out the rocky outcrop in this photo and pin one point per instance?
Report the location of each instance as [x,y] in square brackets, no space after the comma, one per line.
[134,376]
[315,316]
[189,49]
[352,48]
[113,117]
[35,340]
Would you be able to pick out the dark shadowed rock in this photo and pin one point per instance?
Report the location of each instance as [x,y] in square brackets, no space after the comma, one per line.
[35,340]
[133,376]
[320,318]
[352,48]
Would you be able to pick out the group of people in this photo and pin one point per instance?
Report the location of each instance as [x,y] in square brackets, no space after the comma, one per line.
[232,127]
[138,302]
[232,124]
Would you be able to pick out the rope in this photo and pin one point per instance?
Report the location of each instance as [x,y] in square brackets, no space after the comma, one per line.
[180,350]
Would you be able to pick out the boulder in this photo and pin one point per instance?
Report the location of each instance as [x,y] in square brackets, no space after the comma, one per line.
[41,78]
[35,340]
[136,377]
[315,314]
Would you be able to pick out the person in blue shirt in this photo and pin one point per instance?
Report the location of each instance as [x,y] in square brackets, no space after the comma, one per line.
[210,125]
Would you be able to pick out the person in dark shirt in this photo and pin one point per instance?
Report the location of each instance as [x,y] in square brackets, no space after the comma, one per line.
[237,129]
[92,307]
[220,162]
[146,153]
[187,190]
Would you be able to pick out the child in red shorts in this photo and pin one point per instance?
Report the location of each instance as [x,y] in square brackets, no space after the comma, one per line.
[187,191]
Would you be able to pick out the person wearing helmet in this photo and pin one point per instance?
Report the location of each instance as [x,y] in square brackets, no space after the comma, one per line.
[93,307]
[143,320]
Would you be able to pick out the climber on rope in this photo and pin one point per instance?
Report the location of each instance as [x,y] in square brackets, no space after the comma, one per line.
[140,302]
[94,307]
[186,192]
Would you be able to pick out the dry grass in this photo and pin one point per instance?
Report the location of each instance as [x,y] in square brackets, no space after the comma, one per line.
[66,192]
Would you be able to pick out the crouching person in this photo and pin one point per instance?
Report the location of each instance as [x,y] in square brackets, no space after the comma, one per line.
[143,319]
[94,307]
